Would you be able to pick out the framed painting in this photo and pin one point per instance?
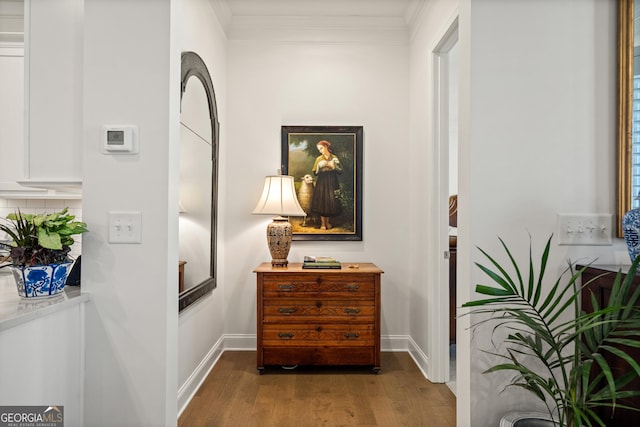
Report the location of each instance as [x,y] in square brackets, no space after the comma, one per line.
[326,163]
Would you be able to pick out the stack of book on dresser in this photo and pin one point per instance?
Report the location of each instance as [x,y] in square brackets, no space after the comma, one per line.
[320,262]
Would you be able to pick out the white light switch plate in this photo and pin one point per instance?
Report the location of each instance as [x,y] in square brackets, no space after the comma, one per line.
[125,227]
[585,229]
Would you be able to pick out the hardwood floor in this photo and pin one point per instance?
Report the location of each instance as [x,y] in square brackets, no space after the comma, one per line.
[235,395]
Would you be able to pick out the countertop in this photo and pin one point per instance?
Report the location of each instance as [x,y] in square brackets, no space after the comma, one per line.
[15,310]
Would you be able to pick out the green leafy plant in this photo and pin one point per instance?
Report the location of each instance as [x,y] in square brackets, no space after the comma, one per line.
[557,351]
[42,238]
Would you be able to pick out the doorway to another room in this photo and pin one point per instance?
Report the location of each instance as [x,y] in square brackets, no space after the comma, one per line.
[453,208]
[446,119]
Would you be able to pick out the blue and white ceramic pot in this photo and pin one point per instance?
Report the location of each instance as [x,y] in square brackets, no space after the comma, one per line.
[41,280]
[631,229]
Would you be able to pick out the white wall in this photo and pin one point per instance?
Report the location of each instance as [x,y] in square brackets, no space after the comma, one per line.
[118,318]
[130,76]
[271,84]
[201,325]
[537,138]
[538,97]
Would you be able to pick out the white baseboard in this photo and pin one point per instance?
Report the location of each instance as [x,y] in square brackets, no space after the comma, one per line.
[237,342]
[418,356]
[394,342]
[247,342]
[197,377]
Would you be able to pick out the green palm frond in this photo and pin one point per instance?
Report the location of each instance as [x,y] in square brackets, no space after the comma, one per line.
[568,347]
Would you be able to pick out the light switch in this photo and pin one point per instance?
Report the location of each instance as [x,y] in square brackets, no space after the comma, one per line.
[125,227]
[585,229]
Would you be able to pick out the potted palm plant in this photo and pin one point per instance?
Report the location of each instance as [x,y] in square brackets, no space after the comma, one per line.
[555,350]
[39,250]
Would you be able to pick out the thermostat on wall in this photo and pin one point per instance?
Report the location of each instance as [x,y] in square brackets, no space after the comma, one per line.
[119,139]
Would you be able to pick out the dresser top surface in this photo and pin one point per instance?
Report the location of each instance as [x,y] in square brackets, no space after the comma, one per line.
[296,267]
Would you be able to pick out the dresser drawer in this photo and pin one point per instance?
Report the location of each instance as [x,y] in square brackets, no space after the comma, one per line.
[339,285]
[289,356]
[318,335]
[295,310]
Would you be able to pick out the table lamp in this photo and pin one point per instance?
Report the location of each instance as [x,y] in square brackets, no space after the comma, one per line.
[279,198]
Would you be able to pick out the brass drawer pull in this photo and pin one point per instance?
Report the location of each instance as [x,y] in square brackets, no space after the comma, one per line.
[285,335]
[287,310]
[350,336]
[352,310]
[286,287]
[352,287]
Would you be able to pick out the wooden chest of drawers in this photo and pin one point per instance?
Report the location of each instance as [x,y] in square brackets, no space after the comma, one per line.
[318,316]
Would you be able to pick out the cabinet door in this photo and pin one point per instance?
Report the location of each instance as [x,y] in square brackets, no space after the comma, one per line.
[11,116]
[54,98]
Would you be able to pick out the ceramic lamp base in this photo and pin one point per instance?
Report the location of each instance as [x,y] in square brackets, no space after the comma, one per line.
[279,241]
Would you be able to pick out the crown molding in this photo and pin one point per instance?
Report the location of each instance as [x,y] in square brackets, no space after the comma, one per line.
[11,48]
[223,12]
[335,21]
[319,29]
[11,21]
[12,8]
[13,39]
[413,15]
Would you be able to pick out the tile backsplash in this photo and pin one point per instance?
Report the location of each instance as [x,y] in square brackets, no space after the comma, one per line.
[36,206]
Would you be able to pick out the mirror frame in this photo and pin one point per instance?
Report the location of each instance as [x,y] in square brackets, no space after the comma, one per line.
[625,109]
[194,66]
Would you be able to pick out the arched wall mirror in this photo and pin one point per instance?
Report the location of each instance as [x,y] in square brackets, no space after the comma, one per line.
[199,131]
[628,109]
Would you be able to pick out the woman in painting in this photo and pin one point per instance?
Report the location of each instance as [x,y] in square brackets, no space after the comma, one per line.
[326,168]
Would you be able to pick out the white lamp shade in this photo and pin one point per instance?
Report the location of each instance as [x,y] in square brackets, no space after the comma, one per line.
[279,197]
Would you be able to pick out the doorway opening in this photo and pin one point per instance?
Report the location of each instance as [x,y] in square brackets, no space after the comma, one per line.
[446,82]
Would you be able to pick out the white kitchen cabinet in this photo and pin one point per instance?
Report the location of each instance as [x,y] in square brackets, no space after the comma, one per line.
[11,115]
[53,93]
[40,106]
[42,350]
